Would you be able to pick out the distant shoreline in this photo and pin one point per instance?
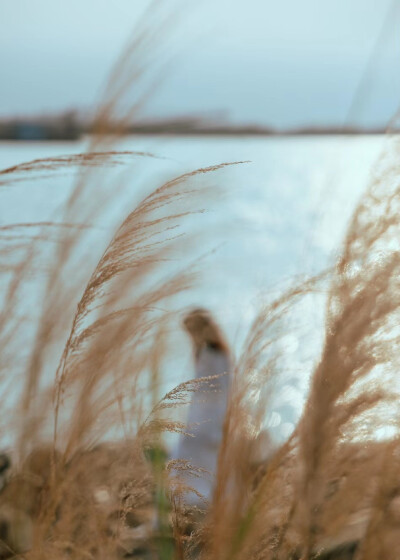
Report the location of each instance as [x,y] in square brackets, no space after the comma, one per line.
[288,134]
[67,127]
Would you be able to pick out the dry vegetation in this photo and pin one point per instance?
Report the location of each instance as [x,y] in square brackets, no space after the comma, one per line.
[90,476]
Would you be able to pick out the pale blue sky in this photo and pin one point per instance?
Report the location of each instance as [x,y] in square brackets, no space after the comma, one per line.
[286,63]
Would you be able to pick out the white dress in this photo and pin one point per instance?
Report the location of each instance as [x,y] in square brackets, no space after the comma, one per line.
[205,421]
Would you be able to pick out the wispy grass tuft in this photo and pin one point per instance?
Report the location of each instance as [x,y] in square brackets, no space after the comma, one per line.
[83,366]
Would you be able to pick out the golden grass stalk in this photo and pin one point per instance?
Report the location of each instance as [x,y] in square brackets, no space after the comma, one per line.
[92,479]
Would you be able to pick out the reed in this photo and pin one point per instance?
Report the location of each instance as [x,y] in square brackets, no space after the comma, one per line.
[91,474]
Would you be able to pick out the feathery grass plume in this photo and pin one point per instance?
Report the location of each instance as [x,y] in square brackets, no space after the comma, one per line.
[343,413]
[55,295]
[382,532]
[99,485]
[138,72]
[138,247]
[247,495]
[173,477]
[354,389]
[98,391]
[109,345]
[130,71]
[318,489]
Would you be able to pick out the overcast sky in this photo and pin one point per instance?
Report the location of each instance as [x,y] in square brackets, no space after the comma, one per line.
[283,63]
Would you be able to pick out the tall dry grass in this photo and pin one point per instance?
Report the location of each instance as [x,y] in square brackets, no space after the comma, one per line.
[107,380]
[91,476]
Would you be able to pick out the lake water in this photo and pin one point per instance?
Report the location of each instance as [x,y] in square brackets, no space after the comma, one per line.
[281,214]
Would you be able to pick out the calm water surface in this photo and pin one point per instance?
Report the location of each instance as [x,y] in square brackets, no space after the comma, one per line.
[281,214]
